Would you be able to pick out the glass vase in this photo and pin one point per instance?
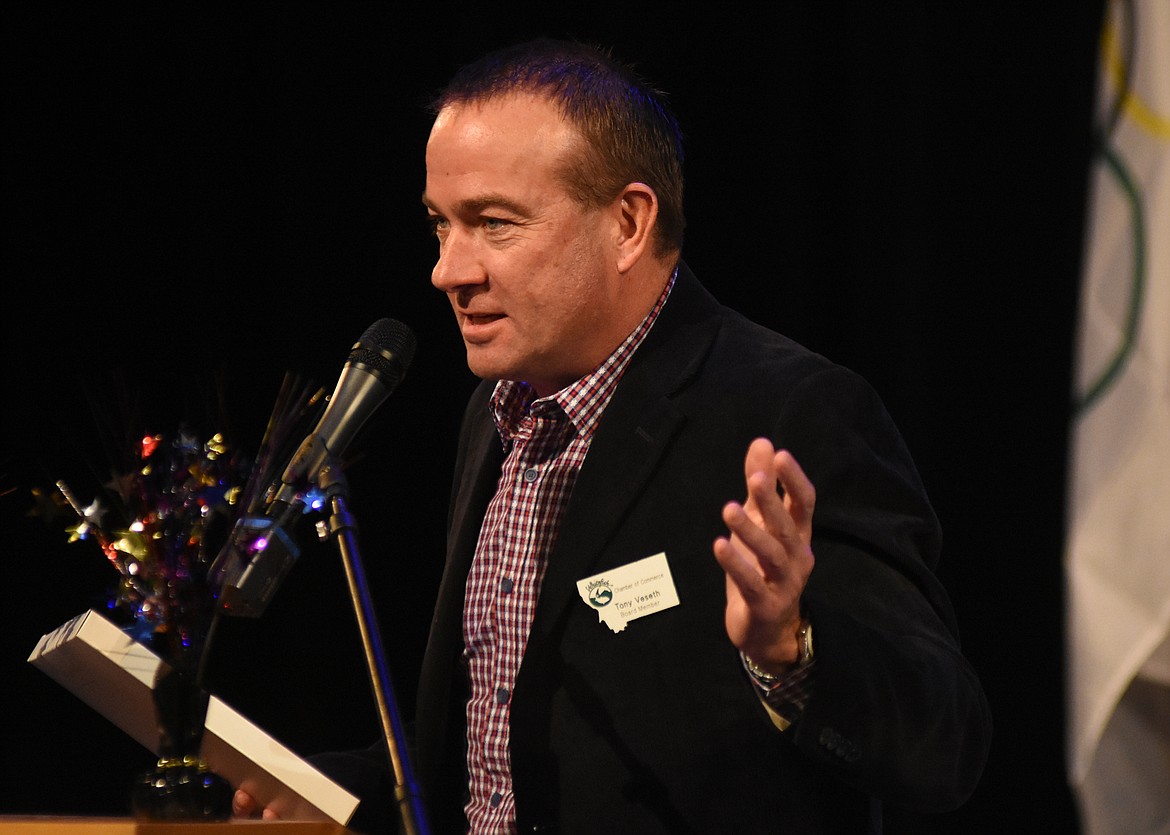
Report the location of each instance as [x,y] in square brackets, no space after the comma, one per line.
[180,787]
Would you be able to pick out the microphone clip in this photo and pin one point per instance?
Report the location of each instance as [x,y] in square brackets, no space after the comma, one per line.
[261,551]
[252,565]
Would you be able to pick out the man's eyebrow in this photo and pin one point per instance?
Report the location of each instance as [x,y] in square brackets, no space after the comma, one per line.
[475,205]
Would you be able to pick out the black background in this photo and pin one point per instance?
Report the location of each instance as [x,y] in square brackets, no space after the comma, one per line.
[202,197]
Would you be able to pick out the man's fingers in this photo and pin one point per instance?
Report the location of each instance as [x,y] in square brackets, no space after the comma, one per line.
[742,572]
[759,458]
[800,497]
[780,496]
[770,547]
[768,509]
[243,805]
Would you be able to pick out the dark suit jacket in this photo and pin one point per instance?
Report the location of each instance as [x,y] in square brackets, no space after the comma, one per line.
[656,728]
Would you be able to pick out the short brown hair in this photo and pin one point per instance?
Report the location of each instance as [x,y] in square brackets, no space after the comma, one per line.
[630,133]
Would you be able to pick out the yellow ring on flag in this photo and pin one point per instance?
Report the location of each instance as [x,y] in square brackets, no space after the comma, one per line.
[1137,110]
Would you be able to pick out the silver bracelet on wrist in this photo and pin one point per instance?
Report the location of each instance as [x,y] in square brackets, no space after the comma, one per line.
[805,645]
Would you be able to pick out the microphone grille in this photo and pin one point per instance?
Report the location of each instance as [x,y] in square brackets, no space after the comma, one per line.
[385,349]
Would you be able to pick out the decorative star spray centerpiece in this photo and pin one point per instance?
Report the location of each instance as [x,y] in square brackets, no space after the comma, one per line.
[161,525]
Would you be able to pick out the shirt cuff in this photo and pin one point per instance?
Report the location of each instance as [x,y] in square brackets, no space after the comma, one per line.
[786,697]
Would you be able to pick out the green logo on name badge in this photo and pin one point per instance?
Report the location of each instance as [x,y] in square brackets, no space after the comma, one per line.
[600,593]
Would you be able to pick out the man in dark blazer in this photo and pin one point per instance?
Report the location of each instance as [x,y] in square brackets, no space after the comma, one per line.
[661,723]
[656,728]
[657,505]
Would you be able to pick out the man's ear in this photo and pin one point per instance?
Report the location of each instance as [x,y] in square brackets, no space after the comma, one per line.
[637,207]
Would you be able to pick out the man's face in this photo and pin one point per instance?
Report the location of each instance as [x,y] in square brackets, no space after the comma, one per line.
[530,273]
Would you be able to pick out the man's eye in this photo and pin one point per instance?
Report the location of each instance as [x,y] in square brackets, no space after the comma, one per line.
[494,224]
[436,224]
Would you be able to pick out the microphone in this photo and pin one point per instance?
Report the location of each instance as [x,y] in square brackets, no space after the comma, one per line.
[376,365]
[260,551]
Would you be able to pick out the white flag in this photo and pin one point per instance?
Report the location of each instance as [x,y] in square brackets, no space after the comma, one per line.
[1118,557]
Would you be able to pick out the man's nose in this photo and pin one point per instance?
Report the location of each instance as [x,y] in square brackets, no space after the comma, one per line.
[458,265]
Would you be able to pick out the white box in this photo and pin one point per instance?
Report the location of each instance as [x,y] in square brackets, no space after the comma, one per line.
[114,674]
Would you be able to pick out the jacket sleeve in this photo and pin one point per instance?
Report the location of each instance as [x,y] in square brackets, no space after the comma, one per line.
[895,709]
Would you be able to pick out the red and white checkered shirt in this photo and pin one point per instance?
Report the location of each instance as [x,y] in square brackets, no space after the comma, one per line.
[547,440]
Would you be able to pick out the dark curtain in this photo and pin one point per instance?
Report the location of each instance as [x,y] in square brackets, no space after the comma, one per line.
[201,198]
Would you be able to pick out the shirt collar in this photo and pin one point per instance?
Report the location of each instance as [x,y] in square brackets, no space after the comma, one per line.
[582,401]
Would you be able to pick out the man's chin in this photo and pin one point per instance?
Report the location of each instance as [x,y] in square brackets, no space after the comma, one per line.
[487,367]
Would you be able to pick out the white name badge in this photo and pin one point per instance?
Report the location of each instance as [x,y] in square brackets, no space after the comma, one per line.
[629,592]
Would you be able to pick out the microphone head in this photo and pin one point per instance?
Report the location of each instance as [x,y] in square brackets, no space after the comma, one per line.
[385,350]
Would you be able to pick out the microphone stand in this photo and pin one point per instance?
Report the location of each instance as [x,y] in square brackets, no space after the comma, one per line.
[343,528]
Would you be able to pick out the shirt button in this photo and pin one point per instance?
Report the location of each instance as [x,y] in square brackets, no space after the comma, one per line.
[502,696]
[496,799]
[506,585]
[530,475]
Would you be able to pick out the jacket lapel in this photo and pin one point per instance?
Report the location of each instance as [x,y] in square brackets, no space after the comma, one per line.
[631,438]
[476,473]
